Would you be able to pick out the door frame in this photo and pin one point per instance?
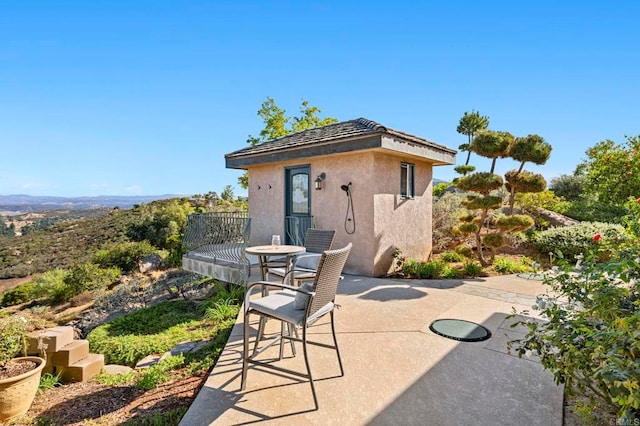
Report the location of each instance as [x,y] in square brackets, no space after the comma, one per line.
[303,218]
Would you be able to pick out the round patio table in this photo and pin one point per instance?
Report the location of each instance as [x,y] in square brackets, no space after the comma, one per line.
[264,252]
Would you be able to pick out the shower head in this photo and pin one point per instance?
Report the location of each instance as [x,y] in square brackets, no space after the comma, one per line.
[345,188]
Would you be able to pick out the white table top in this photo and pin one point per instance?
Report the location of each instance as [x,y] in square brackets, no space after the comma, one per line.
[269,250]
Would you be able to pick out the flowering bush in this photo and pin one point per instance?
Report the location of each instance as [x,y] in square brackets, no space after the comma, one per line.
[592,338]
[576,239]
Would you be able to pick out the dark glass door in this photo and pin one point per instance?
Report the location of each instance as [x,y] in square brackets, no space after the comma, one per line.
[298,203]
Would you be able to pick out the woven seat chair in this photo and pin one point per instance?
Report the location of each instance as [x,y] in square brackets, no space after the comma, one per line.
[299,307]
[316,242]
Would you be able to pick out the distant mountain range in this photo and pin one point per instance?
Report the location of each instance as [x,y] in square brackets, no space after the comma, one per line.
[28,203]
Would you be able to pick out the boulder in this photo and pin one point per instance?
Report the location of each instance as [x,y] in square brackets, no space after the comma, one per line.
[151,262]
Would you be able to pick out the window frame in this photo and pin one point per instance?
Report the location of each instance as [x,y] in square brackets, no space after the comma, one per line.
[407,180]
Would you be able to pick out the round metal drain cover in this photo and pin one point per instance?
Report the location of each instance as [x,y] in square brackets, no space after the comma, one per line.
[464,331]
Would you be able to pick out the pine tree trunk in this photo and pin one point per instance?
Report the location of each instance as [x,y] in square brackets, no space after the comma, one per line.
[481,258]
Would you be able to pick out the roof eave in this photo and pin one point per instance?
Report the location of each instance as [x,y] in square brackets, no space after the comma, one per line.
[437,154]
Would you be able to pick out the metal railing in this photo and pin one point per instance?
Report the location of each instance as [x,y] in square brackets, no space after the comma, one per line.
[219,236]
[296,228]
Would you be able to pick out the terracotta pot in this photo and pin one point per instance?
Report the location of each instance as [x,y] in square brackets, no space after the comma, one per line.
[17,393]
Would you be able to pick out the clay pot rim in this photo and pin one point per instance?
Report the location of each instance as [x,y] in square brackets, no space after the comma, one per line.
[40,365]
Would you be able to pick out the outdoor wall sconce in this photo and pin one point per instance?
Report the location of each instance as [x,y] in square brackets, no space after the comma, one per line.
[321,177]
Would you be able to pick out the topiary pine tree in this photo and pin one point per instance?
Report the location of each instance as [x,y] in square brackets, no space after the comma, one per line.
[482,183]
[534,149]
[470,123]
[492,144]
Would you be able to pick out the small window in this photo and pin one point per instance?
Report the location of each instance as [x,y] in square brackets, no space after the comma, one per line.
[407,187]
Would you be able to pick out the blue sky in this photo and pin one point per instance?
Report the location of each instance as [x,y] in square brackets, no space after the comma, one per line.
[146,97]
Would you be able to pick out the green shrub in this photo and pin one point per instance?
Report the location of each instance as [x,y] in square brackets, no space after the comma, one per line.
[126,256]
[576,239]
[17,295]
[440,188]
[174,257]
[471,269]
[570,187]
[451,273]
[49,284]
[435,269]
[445,212]
[116,379]
[89,276]
[411,268]
[48,381]
[223,310]
[508,266]
[590,341]
[586,210]
[465,251]
[452,257]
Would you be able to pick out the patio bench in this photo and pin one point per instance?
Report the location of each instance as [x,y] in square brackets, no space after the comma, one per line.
[215,244]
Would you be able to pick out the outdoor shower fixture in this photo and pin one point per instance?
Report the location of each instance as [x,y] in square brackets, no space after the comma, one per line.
[349,219]
[318,182]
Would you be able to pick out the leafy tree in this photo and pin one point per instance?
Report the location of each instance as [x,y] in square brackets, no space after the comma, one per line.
[277,125]
[161,224]
[492,144]
[125,256]
[534,149]
[4,229]
[86,277]
[275,122]
[612,171]
[569,187]
[470,123]
[227,193]
[309,118]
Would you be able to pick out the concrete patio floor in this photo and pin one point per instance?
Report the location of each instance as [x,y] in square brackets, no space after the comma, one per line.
[396,370]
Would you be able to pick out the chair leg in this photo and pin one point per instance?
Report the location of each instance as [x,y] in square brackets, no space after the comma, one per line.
[281,340]
[306,361]
[292,330]
[260,334]
[335,343]
[245,351]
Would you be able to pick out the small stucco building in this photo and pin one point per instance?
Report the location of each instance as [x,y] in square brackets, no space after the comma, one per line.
[370,183]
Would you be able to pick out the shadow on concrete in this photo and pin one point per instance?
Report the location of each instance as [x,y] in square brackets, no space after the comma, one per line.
[387,294]
[479,384]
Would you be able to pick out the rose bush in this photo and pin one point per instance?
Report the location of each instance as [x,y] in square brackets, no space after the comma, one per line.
[591,341]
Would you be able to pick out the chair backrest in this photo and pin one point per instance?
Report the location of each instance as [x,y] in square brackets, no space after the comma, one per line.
[318,240]
[327,277]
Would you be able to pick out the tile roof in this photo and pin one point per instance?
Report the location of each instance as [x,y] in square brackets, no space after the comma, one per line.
[352,129]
